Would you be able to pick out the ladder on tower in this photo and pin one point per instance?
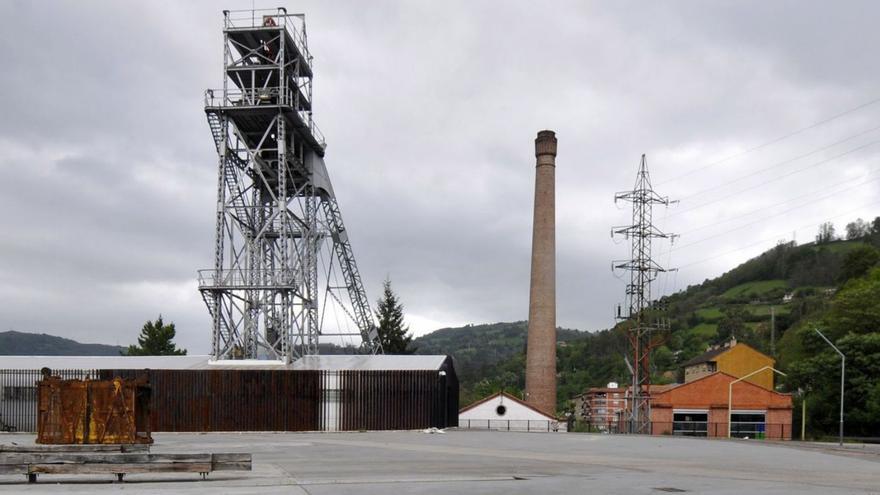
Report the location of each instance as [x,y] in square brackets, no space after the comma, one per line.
[360,304]
[230,163]
[208,297]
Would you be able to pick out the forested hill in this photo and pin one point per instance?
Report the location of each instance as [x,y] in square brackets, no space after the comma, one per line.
[478,348]
[834,285]
[14,343]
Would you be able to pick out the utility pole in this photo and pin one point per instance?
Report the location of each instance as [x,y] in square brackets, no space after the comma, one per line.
[842,374]
[643,270]
[803,416]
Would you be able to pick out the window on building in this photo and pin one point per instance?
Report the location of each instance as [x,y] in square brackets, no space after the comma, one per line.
[690,424]
[748,424]
[501,410]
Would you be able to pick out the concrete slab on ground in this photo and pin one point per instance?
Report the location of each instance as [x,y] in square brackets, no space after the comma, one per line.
[488,462]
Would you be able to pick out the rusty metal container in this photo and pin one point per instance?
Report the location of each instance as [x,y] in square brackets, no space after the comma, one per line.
[93,411]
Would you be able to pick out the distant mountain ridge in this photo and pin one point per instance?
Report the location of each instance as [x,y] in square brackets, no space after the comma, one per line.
[474,347]
[14,343]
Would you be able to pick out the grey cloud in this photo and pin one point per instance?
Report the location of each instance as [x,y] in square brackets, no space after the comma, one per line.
[107,173]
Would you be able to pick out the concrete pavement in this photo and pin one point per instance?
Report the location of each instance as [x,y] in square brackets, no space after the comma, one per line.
[487,462]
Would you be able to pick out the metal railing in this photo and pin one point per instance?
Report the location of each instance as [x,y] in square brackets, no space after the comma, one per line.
[263,97]
[259,18]
[739,429]
[246,278]
[18,396]
[511,424]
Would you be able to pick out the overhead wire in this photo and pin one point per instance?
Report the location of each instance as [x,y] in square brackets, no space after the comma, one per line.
[774,140]
[776,237]
[764,170]
[780,177]
[809,203]
[779,164]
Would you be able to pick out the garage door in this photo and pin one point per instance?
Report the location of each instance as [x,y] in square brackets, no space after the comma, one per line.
[691,423]
[748,424]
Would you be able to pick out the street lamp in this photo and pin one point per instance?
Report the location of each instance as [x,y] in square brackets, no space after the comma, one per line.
[842,374]
[730,394]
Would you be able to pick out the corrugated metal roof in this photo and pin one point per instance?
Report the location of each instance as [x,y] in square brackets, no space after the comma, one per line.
[370,362]
[329,363]
[103,362]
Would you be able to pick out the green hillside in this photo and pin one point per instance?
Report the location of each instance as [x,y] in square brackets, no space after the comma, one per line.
[14,343]
[476,348]
[834,285]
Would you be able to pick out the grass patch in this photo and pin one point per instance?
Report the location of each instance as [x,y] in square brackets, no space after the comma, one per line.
[764,310]
[755,289]
[709,314]
[841,247]
[705,331]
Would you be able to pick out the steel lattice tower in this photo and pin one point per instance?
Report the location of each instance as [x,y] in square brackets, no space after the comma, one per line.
[643,270]
[280,247]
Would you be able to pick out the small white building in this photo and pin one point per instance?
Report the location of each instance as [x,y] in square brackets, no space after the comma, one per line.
[502,411]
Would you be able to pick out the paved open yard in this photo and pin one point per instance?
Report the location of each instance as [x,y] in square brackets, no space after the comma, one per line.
[486,462]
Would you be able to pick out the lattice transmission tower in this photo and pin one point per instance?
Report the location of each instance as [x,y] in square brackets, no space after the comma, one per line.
[645,326]
[283,261]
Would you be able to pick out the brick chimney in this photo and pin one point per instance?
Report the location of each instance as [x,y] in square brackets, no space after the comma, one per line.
[541,354]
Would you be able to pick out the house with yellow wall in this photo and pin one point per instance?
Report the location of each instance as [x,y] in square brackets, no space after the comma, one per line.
[735,359]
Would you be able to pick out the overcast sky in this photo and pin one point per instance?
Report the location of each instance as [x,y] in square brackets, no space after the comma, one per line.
[107,167]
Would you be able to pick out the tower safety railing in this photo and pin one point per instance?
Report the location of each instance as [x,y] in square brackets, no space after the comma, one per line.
[250,19]
[270,96]
[242,278]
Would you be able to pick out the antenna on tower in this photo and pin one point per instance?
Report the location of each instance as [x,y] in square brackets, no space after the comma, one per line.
[643,315]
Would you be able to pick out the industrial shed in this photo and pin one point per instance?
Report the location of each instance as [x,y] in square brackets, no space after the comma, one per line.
[316,393]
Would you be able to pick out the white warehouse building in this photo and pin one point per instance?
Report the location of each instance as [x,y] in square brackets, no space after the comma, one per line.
[502,411]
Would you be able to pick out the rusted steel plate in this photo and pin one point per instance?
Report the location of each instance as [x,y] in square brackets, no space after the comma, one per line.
[92,411]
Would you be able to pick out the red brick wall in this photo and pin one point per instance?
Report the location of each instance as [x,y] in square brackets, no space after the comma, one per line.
[711,393]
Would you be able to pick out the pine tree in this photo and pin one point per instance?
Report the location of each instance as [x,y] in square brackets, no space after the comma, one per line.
[156,339]
[393,335]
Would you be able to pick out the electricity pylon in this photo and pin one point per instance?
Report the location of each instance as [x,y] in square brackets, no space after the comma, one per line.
[644,326]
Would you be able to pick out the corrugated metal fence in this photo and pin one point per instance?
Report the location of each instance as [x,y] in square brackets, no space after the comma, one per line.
[231,400]
[265,400]
[390,400]
[18,396]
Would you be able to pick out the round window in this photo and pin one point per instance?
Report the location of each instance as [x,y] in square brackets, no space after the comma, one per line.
[500,410]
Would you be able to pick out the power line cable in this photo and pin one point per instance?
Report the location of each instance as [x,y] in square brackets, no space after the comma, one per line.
[776,237]
[768,181]
[824,189]
[779,164]
[773,141]
[783,212]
